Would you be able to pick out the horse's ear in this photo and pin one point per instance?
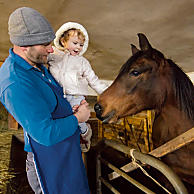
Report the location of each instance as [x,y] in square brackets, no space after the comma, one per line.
[143,42]
[134,49]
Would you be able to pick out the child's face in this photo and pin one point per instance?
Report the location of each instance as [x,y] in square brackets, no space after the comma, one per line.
[74,45]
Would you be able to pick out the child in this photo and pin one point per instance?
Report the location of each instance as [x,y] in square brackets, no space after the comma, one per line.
[72,71]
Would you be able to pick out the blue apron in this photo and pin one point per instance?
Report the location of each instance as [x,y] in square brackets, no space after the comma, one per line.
[60,167]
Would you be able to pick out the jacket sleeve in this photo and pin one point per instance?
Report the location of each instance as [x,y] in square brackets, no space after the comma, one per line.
[92,78]
[33,112]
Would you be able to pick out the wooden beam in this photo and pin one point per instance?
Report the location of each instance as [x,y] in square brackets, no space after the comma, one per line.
[12,123]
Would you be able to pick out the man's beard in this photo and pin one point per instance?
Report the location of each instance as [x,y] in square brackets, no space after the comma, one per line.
[35,57]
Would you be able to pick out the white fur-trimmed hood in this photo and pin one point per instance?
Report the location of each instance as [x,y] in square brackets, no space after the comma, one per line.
[66,27]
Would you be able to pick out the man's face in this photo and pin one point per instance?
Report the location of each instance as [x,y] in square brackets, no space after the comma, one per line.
[37,54]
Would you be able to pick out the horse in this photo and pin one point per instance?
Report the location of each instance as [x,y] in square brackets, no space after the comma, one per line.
[150,81]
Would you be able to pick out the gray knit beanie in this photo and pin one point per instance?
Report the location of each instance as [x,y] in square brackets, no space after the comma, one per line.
[28,27]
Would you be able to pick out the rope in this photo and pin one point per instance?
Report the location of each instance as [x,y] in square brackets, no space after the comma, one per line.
[145,172]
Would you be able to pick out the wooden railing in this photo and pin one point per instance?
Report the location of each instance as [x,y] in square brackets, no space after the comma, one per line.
[145,159]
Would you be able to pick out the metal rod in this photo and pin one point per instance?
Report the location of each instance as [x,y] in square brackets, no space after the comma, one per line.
[107,184]
[154,162]
[128,178]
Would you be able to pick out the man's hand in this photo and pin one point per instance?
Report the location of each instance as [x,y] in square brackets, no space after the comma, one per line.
[82,112]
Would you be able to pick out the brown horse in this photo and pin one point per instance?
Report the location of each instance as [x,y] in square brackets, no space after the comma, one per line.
[148,80]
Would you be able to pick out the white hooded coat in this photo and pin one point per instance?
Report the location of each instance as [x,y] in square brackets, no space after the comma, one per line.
[73,73]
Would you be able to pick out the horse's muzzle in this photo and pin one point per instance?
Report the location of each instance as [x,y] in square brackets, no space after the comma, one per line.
[98,110]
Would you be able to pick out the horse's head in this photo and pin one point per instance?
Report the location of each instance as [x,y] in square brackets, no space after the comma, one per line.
[138,85]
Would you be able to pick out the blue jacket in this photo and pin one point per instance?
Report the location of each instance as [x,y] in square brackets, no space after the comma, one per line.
[50,128]
[26,95]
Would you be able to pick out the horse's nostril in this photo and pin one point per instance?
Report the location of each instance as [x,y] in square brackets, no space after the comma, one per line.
[98,110]
[97,107]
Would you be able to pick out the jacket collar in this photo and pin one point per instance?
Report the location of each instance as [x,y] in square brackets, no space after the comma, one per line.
[20,61]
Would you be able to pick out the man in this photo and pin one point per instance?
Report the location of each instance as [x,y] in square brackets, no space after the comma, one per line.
[29,92]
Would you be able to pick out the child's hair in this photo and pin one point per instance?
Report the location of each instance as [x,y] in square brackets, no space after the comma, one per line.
[71,32]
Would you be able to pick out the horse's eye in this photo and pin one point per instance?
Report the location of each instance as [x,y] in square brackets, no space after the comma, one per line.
[135,73]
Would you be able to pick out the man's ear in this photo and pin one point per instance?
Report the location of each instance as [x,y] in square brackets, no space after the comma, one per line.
[24,48]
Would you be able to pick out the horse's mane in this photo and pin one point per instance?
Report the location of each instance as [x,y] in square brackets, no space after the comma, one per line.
[183,89]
